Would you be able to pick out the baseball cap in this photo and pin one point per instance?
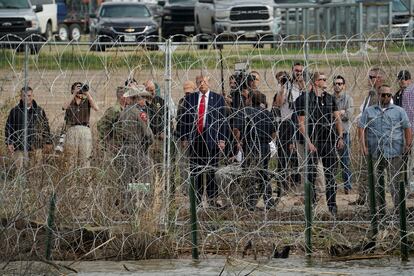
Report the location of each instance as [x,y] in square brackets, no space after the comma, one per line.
[404,75]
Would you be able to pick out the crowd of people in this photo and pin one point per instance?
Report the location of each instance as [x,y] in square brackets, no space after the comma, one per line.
[240,127]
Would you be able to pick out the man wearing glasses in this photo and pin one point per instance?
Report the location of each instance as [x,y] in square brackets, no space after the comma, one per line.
[345,104]
[322,134]
[376,77]
[289,90]
[385,133]
[406,101]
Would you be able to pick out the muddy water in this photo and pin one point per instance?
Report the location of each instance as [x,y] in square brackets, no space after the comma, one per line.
[291,266]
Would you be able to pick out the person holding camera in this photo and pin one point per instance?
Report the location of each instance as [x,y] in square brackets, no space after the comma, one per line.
[78,142]
[253,81]
[283,107]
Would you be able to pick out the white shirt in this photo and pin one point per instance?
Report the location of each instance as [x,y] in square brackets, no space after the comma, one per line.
[285,111]
[205,104]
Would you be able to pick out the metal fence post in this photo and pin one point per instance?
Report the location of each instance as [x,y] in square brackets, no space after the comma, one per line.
[308,187]
[50,223]
[373,207]
[167,129]
[26,85]
[403,222]
[193,219]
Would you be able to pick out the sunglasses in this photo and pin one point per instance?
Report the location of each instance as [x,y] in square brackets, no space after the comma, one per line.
[383,95]
[339,83]
[372,77]
[321,79]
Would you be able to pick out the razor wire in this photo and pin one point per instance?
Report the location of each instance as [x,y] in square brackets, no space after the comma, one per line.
[132,202]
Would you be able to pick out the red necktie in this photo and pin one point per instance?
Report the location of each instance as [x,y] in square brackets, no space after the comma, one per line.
[201,111]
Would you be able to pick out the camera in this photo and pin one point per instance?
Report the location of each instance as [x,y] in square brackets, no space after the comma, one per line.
[284,79]
[84,88]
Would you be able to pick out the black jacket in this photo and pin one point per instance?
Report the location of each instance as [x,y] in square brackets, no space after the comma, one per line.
[38,131]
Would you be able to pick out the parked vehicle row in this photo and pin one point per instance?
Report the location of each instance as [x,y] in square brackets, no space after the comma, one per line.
[147,20]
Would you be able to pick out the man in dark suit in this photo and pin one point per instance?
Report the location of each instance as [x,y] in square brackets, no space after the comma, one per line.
[203,129]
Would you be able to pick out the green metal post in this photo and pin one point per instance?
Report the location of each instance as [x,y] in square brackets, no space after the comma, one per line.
[193,219]
[308,217]
[403,223]
[372,203]
[308,186]
[382,205]
[50,223]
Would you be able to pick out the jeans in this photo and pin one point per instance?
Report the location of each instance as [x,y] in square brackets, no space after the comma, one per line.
[345,162]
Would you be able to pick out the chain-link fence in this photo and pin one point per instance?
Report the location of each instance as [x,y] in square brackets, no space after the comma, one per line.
[105,171]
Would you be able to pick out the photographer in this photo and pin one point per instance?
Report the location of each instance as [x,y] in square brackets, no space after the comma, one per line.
[78,144]
[289,89]
[253,81]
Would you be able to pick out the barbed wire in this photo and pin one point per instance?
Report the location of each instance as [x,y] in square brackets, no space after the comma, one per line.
[120,206]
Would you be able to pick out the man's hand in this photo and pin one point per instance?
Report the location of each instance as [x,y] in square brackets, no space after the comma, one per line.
[292,147]
[236,133]
[341,144]
[342,112]
[312,147]
[184,144]
[221,145]
[364,150]
[161,136]
[407,149]
[11,149]
[48,148]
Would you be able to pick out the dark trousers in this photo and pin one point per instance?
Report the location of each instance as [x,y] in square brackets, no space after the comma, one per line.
[287,159]
[256,165]
[203,161]
[327,153]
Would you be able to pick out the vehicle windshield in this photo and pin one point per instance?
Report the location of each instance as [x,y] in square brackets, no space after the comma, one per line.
[178,1]
[294,1]
[399,6]
[125,11]
[15,4]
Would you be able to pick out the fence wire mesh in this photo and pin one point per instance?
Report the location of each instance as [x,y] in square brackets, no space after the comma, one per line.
[116,184]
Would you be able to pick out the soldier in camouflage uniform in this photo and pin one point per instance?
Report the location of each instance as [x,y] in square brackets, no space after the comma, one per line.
[133,130]
[106,124]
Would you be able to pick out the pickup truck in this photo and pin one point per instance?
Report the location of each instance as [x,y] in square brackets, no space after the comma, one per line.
[245,19]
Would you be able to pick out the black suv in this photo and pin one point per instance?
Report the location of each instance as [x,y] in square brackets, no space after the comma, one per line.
[123,22]
[177,18]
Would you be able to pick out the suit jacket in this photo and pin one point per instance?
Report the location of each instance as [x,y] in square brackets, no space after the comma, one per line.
[215,127]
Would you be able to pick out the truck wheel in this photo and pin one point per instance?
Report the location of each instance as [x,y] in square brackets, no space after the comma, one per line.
[75,32]
[35,49]
[48,34]
[63,32]
[202,46]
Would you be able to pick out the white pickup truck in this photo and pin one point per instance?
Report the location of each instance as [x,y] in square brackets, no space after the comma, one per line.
[245,19]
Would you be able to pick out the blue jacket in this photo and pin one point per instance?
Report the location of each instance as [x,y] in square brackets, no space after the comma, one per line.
[215,127]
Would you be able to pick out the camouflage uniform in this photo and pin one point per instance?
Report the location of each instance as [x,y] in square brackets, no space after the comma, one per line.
[135,166]
[106,125]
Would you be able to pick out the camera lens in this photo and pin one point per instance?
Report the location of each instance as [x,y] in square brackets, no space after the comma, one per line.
[85,88]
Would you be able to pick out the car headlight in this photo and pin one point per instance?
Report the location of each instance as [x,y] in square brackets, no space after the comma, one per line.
[104,27]
[167,17]
[34,25]
[222,14]
[151,28]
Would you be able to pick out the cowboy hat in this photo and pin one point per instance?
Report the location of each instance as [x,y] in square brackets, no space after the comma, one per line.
[137,90]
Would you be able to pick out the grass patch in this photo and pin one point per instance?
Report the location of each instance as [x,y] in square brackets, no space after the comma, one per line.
[78,58]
